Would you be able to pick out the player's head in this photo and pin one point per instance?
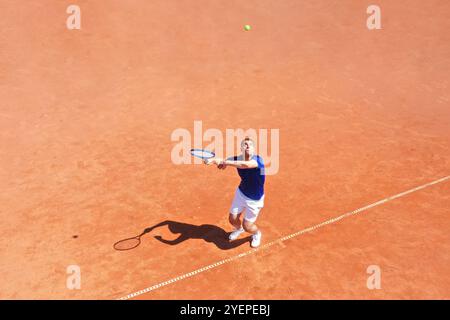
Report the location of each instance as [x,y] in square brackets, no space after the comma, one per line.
[248,146]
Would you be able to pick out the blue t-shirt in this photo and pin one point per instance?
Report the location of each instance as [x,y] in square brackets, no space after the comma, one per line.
[252,180]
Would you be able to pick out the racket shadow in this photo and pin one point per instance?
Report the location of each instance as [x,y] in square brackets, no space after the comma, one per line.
[207,232]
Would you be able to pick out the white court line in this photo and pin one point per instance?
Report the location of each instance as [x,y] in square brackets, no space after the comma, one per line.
[267,245]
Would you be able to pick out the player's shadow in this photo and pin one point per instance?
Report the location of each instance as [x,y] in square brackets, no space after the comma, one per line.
[206,232]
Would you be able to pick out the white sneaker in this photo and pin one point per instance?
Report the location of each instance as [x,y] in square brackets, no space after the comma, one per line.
[235,234]
[256,239]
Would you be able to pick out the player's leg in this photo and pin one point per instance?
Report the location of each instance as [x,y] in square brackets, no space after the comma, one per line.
[235,217]
[235,220]
[252,211]
[250,227]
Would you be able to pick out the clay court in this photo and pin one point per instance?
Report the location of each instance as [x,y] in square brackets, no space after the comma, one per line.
[86,118]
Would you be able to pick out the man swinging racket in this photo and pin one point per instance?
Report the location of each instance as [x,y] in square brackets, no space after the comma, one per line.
[249,195]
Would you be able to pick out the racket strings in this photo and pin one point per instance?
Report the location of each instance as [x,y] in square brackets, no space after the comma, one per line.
[203,154]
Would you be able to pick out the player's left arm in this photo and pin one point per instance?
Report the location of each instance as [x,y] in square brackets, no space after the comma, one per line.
[241,164]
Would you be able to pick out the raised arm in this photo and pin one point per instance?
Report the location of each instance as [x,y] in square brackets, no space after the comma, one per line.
[241,164]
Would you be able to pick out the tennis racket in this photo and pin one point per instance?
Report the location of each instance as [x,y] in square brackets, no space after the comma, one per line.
[202,154]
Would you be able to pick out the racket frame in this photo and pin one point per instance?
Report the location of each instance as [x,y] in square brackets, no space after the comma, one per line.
[202,150]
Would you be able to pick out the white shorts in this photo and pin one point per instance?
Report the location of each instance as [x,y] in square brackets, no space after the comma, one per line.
[252,207]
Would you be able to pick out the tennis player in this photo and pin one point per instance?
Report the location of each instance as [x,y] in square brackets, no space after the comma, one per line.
[249,195]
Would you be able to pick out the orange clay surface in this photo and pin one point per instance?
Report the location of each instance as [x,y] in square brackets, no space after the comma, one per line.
[85,123]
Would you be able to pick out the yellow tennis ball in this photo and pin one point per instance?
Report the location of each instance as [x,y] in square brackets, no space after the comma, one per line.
[247,27]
